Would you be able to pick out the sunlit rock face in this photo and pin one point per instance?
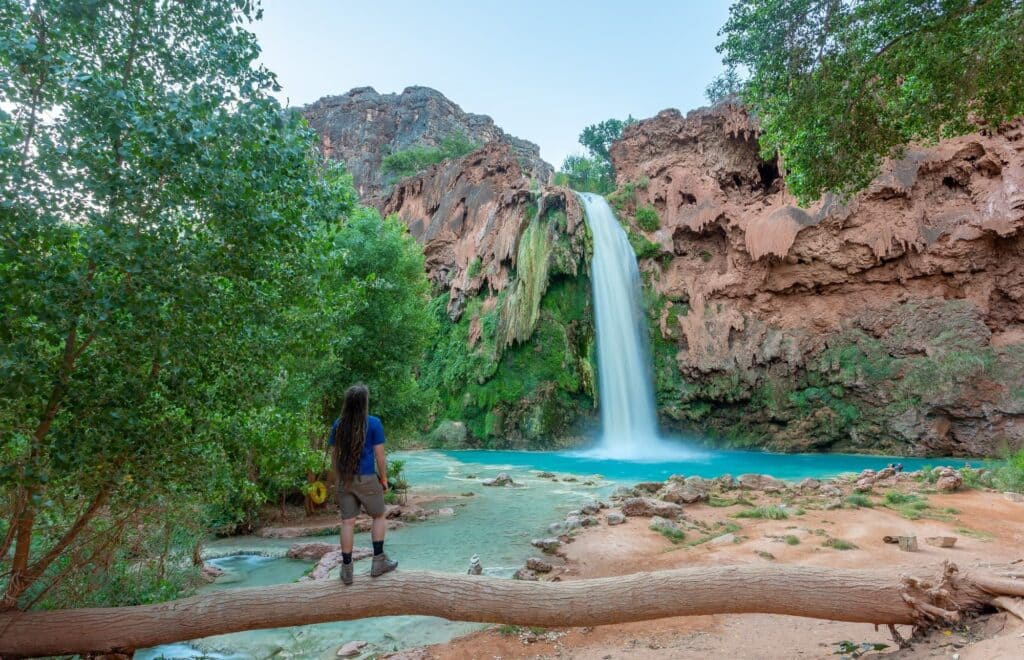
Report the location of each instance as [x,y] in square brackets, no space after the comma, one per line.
[894,321]
[362,126]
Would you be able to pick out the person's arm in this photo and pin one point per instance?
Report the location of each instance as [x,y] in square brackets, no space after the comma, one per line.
[382,465]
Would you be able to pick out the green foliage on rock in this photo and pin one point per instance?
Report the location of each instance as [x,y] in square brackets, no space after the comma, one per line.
[839,86]
[179,273]
[412,161]
[528,373]
[647,218]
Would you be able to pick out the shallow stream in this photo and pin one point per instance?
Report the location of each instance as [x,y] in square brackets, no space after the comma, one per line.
[496,523]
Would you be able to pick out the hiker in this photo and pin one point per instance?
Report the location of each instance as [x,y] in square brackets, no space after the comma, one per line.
[357,438]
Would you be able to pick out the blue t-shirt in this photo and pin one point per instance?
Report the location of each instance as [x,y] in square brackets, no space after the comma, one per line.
[374,437]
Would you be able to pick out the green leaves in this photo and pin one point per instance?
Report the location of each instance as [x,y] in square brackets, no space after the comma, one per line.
[838,87]
[184,283]
[594,172]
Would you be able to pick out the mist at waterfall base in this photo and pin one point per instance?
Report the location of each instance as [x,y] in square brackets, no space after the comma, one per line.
[629,421]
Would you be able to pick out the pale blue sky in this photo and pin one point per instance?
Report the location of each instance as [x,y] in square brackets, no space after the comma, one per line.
[542,70]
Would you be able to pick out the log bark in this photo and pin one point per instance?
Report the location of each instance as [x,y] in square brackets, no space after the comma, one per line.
[867,596]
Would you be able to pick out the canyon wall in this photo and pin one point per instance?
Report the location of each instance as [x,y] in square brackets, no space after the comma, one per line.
[513,361]
[362,126]
[893,321]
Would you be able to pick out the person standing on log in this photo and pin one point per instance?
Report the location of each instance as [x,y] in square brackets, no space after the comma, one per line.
[357,440]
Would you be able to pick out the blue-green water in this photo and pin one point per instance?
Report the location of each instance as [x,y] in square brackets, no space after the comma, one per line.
[496,523]
[702,463]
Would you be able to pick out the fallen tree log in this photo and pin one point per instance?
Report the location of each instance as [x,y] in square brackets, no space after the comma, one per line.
[867,596]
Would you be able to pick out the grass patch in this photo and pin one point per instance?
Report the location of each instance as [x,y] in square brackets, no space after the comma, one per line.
[772,512]
[792,539]
[859,500]
[975,533]
[839,544]
[912,507]
[725,501]
[674,535]
[720,530]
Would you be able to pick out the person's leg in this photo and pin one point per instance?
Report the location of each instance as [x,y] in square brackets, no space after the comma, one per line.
[371,495]
[348,537]
[378,529]
[349,511]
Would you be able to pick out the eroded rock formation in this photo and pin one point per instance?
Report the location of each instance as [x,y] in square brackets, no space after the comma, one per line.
[360,127]
[514,354]
[894,321]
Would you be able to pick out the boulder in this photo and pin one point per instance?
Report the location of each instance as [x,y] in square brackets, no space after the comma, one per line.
[526,575]
[684,493]
[724,539]
[312,551]
[725,482]
[503,479]
[864,484]
[809,484]
[475,567]
[648,486]
[763,482]
[949,480]
[210,573]
[351,649]
[698,482]
[548,545]
[647,507]
[614,518]
[621,492]
[591,508]
[538,565]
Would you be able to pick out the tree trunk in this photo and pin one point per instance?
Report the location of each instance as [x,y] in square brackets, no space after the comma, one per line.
[879,597]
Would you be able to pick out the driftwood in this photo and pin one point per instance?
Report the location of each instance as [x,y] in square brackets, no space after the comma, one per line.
[868,596]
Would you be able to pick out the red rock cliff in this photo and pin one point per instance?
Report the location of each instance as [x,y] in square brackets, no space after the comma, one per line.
[894,321]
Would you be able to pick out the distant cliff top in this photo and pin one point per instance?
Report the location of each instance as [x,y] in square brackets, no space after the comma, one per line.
[362,126]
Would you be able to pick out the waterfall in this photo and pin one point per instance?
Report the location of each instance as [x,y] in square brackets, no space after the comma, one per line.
[629,422]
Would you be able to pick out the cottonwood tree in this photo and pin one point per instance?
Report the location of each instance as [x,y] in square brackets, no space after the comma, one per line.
[166,231]
[839,86]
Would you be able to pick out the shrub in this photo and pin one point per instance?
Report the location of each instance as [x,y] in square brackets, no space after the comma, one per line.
[414,160]
[772,512]
[859,500]
[473,269]
[792,540]
[1010,475]
[647,218]
[839,544]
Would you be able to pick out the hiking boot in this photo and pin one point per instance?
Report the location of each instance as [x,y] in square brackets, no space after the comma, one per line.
[346,573]
[381,565]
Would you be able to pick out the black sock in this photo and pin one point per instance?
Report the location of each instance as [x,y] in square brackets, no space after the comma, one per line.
[346,558]
[378,547]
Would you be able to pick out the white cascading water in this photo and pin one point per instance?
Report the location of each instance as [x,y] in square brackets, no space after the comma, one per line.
[629,423]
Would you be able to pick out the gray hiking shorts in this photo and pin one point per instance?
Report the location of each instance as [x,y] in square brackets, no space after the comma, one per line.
[366,491]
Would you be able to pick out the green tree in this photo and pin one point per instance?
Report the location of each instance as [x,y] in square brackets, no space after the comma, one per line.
[594,172]
[839,86]
[598,138]
[168,289]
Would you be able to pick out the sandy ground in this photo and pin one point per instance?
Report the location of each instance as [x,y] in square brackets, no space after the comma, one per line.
[995,536]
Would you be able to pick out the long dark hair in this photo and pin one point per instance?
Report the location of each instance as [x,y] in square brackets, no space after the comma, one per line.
[350,435]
